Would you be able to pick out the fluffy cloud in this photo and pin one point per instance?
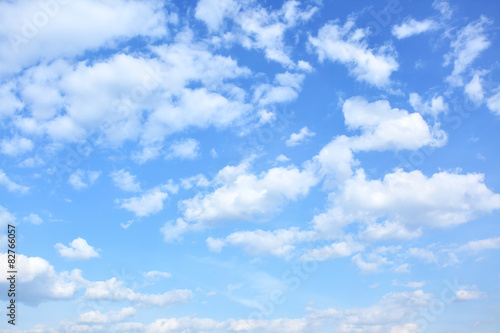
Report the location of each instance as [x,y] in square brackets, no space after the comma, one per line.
[347,45]
[113,290]
[298,138]
[408,201]
[467,46]
[244,196]
[39,281]
[16,146]
[184,149]
[466,293]
[81,179]
[334,250]
[412,27]
[255,26]
[124,180]
[279,243]
[149,203]
[45,30]
[474,89]
[10,185]
[79,249]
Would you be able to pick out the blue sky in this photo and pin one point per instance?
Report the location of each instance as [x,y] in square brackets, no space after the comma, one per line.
[245,166]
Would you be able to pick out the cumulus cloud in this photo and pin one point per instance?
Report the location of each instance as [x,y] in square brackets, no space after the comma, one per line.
[474,89]
[49,31]
[126,181]
[347,45]
[79,249]
[494,103]
[411,27]
[81,179]
[407,201]
[481,245]
[149,203]
[40,282]
[300,137]
[335,250]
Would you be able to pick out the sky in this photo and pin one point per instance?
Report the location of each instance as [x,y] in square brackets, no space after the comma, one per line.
[251,166]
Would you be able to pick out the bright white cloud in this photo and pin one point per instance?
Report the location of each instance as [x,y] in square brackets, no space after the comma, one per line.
[113,290]
[347,45]
[187,149]
[156,275]
[81,179]
[466,293]
[467,46]
[126,181]
[408,201]
[149,203]
[278,243]
[10,185]
[244,196]
[300,137]
[411,27]
[45,30]
[40,281]
[423,254]
[16,146]
[78,249]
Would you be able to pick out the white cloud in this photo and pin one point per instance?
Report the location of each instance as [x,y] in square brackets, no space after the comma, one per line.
[334,250]
[411,27]
[285,89]
[198,181]
[466,293]
[443,7]
[37,32]
[213,12]
[126,181]
[156,275]
[16,146]
[474,89]
[282,158]
[347,45]
[494,103]
[12,186]
[39,281]
[278,243]
[481,245]
[184,149]
[113,290]
[149,203]
[33,218]
[467,46]
[79,249]
[81,179]
[372,264]
[434,107]
[409,199]
[244,196]
[298,138]
[10,103]
[96,317]
[388,230]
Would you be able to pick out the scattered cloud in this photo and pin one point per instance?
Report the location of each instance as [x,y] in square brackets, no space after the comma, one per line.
[298,138]
[79,249]
[81,179]
[10,185]
[125,181]
[411,27]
